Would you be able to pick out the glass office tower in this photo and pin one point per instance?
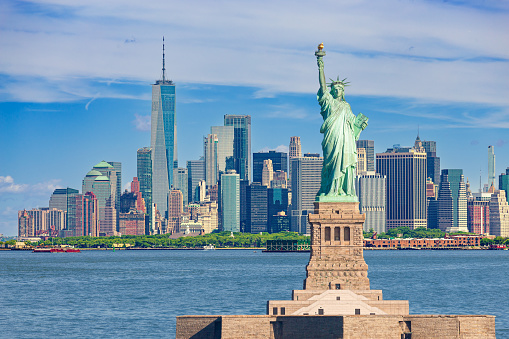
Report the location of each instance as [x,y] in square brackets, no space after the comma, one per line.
[163,140]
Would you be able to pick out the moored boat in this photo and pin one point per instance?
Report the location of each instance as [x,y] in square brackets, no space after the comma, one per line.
[56,250]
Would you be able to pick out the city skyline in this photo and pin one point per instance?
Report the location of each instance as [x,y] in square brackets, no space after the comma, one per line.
[57,111]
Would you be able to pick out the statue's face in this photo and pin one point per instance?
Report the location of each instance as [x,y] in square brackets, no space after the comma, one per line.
[337,91]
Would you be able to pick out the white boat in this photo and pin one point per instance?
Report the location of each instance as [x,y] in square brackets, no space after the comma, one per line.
[209,247]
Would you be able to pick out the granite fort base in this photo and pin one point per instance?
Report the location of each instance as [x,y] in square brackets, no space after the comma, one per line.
[337,301]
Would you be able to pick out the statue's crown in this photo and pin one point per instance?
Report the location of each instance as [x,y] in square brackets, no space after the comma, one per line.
[343,83]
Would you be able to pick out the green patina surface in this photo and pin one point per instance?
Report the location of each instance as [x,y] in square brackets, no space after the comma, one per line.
[340,129]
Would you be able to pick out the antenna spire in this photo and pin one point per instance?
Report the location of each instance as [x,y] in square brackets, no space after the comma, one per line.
[164,69]
[480,180]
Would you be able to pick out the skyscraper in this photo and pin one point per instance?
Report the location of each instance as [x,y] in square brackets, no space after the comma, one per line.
[60,196]
[144,174]
[140,201]
[83,215]
[256,198]
[491,166]
[294,151]
[452,201]
[180,182]
[117,166]
[371,190]
[163,139]
[295,148]
[279,163]
[362,165]
[478,213]
[175,210]
[25,224]
[102,181]
[224,144]
[210,154]
[241,143]
[277,201]
[503,182]
[306,178]
[405,169]
[432,161]
[230,204]
[499,214]
[369,146]
[195,174]
[60,199]
[267,173]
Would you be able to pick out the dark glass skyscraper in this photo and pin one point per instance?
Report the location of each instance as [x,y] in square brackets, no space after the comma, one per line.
[432,161]
[279,163]
[256,198]
[241,143]
[277,201]
[163,139]
[405,169]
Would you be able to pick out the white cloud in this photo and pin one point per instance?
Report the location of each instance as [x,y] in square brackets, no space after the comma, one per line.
[142,122]
[428,50]
[280,148]
[7,185]
[127,187]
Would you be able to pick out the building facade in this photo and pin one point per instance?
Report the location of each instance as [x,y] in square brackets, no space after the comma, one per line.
[241,144]
[230,201]
[256,199]
[452,201]
[362,165]
[371,190]
[306,179]
[224,145]
[405,170]
[267,173]
[369,146]
[432,161]
[210,154]
[144,174]
[181,182]
[491,166]
[175,211]
[499,214]
[279,163]
[163,139]
[277,210]
[503,182]
[294,151]
[195,174]
[478,213]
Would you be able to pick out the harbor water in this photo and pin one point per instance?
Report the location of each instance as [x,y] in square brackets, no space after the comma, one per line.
[138,294]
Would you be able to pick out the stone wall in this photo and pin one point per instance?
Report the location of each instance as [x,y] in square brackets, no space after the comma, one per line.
[336,260]
[339,327]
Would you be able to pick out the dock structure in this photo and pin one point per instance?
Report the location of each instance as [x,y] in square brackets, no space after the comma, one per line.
[288,246]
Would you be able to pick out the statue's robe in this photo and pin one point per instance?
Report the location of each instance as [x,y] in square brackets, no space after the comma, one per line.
[339,147]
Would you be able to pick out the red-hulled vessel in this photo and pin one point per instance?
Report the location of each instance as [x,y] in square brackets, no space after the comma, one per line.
[56,250]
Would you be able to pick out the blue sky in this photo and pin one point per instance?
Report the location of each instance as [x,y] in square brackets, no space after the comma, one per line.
[75,80]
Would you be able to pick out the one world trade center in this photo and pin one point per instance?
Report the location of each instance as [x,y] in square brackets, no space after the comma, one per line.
[163,139]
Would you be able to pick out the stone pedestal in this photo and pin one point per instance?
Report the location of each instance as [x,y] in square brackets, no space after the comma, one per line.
[336,260]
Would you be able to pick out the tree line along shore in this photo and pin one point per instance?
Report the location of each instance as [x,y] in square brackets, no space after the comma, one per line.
[228,239]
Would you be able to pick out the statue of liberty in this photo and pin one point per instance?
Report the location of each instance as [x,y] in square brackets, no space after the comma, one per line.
[341,129]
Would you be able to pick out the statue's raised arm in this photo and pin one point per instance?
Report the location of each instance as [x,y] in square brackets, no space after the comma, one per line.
[341,129]
[321,75]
